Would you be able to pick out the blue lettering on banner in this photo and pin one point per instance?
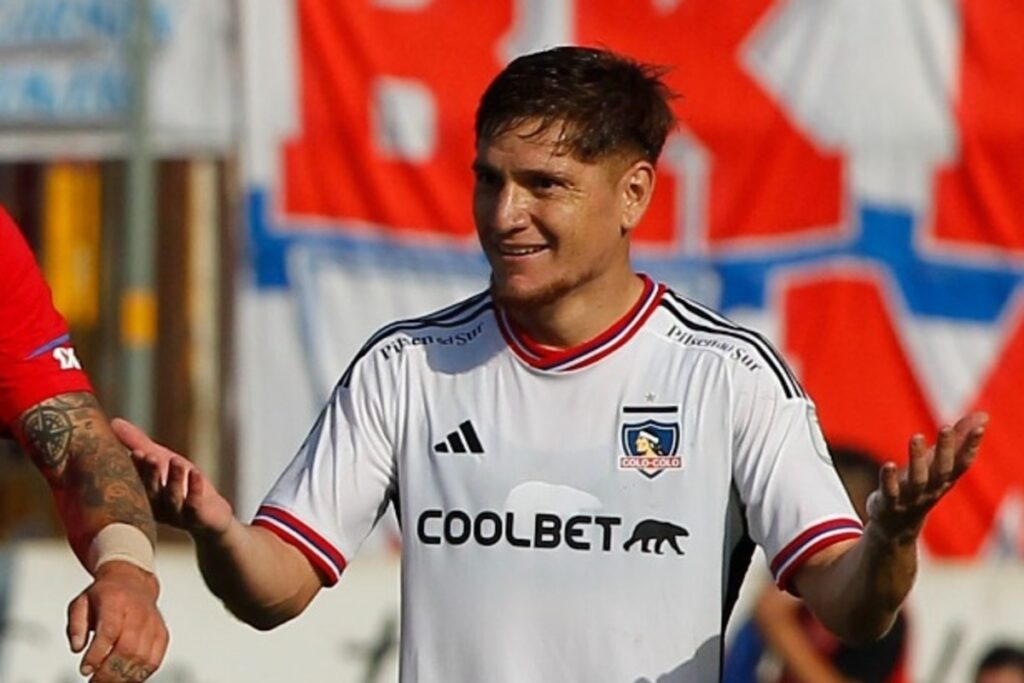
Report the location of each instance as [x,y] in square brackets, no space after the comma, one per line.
[37,23]
[64,61]
[91,92]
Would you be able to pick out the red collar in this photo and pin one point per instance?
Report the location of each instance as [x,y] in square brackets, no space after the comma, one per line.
[589,352]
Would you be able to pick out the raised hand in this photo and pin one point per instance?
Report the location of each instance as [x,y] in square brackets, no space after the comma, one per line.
[179,493]
[905,495]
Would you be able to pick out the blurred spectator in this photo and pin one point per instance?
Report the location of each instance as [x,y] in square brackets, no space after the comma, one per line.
[1003,663]
[785,643]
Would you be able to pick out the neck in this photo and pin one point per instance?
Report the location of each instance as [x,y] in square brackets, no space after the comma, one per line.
[581,315]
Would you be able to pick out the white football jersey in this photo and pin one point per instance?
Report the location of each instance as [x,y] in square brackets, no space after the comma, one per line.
[585,515]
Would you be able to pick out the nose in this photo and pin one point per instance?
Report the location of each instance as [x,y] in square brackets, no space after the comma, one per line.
[511,210]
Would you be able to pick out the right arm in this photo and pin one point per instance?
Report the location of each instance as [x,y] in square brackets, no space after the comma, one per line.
[261,579]
[316,515]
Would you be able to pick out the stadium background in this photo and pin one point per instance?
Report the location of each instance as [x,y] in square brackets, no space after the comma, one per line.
[846,180]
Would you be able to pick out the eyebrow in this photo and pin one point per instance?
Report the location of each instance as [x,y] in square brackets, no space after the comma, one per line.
[478,165]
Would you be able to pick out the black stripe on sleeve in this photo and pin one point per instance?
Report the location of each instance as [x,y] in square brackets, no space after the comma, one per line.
[752,336]
[441,319]
[769,358]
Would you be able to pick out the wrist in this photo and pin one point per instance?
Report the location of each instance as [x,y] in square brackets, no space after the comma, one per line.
[880,534]
[122,543]
[218,536]
[126,572]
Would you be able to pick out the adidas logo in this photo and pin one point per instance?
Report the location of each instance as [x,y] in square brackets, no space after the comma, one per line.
[462,440]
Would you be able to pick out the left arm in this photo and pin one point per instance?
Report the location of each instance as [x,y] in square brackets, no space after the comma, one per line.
[93,480]
[95,485]
[857,587]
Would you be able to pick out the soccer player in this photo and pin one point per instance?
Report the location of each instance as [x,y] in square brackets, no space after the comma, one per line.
[46,402]
[503,429]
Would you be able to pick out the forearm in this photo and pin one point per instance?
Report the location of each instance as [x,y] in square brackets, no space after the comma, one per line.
[261,579]
[858,593]
[92,477]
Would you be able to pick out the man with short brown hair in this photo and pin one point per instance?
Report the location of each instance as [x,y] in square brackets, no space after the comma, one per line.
[567,559]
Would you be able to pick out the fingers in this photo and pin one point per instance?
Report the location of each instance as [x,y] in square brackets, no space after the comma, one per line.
[195,504]
[902,502]
[886,497]
[889,481]
[158,647]
[968,451]
[945,455]
[153,477]
[957,446]
[108,627]
[197,486]
[138,651]
[918,468]
[117,668]
[145,452]
[78,622]
[129,636]
[176,489]
[131,436]
[969,423]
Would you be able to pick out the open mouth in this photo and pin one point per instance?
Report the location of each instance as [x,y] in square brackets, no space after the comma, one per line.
[510,251]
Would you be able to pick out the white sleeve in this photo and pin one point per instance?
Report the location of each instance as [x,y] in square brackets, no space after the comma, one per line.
[795,502]
[340,482]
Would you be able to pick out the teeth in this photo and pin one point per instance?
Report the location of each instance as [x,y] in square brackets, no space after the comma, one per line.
[520,251]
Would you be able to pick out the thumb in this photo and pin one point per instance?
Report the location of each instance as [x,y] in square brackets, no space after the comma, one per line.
[78,622]
[131,436]
[200,491]
[204,501]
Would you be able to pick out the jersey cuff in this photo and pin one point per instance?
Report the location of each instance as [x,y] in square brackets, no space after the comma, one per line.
[810,541]
[17,398]
[324,557]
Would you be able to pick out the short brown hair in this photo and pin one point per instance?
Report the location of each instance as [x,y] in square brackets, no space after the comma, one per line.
[607,103]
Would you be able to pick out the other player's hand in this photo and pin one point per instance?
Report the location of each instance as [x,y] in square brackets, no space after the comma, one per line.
[179,493]
[129,637]
[905,495]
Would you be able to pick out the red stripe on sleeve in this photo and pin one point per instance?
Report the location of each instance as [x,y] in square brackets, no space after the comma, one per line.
[300,527]
[783,581]
[328,575]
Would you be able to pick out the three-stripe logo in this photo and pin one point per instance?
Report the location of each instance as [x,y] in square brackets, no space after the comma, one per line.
[462,440]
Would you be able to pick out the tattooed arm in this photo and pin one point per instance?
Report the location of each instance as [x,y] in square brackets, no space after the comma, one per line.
[95,485]
[92,477]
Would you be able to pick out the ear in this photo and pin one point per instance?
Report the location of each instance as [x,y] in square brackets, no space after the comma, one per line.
[637,186]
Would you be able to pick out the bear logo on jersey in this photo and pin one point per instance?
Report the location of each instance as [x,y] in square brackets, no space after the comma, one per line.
[657,533]
[649,447]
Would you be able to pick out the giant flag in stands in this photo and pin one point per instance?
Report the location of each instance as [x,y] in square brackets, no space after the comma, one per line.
[847,178]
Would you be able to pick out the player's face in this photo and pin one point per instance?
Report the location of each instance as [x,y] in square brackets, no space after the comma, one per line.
[551,225]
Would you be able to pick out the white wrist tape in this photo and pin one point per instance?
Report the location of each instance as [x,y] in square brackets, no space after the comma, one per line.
[122,542]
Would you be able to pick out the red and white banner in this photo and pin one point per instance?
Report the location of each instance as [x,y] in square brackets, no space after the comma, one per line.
[846,179]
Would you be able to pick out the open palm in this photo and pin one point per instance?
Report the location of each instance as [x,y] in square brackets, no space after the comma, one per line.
[905,495]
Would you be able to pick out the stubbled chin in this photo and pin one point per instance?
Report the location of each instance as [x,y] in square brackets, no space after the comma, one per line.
[513,295]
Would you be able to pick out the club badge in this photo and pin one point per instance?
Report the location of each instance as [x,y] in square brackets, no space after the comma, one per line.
[649,439]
